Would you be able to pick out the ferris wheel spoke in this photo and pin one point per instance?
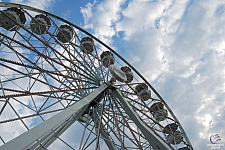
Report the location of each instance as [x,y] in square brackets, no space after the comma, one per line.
[59,99]
[52,66]
[126,124]
[113,135]
[18,116]
[33,68]
[42,108]
[67,67]
[69,53]
[14,99]
[118,136]
[71,62]
[88,142]
[93,65]
[84,64]
[66,143]
[89,63]
[101,69]
[47,58]
[136,137]
[150,135]
[82,137]
[54,94]
[68,87]
[97,56]
[4,105]
[45,126]
[105,136]
[22,74]
[100,129]
[117,132]
[36,78]
[30,116]
[43,93]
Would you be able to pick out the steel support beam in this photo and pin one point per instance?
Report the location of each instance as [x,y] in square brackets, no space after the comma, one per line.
[49,139]
[30,137]
[156,142]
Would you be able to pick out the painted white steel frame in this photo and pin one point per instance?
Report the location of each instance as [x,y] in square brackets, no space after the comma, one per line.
[51,127]
[155,141]
[41,136]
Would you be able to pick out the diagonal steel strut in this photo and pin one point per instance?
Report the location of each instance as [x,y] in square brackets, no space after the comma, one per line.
[36,134]
[151,137]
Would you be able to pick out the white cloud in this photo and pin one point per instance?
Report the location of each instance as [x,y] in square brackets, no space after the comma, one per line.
[87,14]
[103,19]
[178,46]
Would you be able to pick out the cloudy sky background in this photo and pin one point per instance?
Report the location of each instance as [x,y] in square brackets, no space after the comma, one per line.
[177,45]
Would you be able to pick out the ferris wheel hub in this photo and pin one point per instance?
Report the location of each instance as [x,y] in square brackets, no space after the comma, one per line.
[117,73]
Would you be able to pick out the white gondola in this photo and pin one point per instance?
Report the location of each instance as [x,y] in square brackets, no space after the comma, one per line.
[65,33]
[107,58]
[128,73]
[170,128]
[40,24]
[143,92]
[7,15]
[159,113]
[87,45]
[175,138]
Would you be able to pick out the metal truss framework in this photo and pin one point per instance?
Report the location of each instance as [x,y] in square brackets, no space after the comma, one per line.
[47,72]
[42,135]
[45,133]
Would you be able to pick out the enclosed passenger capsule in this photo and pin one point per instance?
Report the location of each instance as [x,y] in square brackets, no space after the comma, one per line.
[107,59]
[12,13]
[143,92]
[174,136]
[128,73]
[65,33]
[159,113]
[87,45]
[40,24]
[170,128]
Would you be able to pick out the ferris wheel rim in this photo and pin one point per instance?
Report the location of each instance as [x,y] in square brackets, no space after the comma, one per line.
[6,4]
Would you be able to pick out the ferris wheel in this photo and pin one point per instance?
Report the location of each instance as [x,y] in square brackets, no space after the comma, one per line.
[59,84]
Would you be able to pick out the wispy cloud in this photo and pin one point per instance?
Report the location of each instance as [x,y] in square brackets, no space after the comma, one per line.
[40,4]
[179,47]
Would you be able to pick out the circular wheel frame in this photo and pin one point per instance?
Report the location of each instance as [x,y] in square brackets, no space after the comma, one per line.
[51,86]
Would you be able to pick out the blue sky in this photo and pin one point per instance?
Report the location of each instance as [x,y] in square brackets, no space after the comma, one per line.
[72,11]
[177,45]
